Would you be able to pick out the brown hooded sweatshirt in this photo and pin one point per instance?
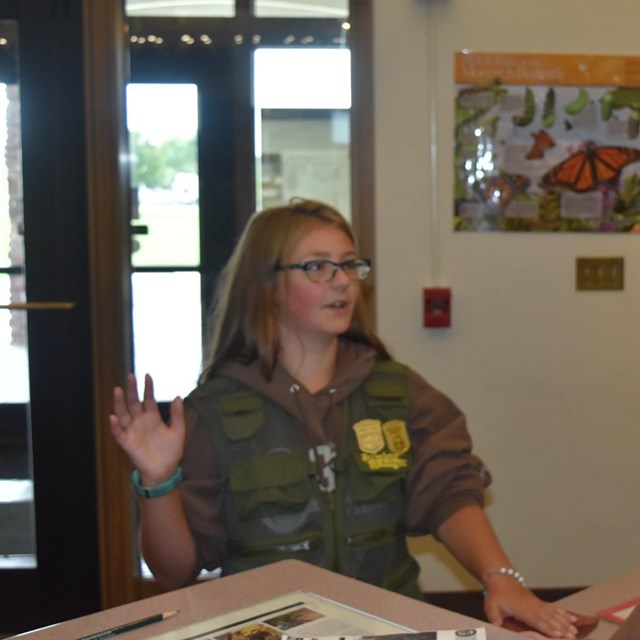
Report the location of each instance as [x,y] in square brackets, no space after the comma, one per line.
[443,476]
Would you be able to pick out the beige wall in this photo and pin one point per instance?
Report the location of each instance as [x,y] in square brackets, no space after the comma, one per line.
[549,377]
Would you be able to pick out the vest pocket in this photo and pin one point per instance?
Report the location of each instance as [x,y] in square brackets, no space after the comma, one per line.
[269,485]
[369,486]
[386,399]
[383,535]
[289,547]
[242,414]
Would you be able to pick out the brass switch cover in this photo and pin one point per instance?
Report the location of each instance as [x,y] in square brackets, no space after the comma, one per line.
[599,274]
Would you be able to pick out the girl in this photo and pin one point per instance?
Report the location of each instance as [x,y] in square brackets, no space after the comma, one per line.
[305,439]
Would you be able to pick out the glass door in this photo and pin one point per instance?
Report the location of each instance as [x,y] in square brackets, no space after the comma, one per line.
[48,523]
[218,127]
[181,120]
[17,518]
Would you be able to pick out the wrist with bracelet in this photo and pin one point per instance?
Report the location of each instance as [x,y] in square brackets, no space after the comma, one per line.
[158,490]
[502,571]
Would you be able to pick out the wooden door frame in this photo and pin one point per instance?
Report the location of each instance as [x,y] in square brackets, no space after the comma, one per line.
[105,39]
[363,139]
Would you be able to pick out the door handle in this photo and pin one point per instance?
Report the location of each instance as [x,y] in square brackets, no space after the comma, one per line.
[39,306]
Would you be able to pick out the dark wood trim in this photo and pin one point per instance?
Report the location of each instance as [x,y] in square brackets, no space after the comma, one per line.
[105,75]
[362,138]
[244,133]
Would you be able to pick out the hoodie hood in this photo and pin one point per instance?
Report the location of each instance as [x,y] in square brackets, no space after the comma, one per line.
[354,363]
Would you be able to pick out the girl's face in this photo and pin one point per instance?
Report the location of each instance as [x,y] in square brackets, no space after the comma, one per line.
[315,310]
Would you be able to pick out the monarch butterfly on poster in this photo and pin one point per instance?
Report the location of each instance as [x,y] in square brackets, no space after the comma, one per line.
[541,142]
[591,166]
[501,189]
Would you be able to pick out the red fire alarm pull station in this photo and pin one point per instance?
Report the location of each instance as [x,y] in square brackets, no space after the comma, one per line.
[437,306]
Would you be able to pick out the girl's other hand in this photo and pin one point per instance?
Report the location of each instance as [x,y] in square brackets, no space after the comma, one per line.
[507,598]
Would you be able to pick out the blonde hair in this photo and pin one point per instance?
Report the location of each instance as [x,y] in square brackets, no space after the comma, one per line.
[243,319]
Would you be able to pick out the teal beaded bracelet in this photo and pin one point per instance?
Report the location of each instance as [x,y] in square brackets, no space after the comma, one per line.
[160,489]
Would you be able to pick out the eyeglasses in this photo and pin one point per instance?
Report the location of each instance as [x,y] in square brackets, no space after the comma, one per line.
[325,270]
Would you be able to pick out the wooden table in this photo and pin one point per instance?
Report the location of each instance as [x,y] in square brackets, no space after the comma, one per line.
[602,596]
[215,597]
[222,595]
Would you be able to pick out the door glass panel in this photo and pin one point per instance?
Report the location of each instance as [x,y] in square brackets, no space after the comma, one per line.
[167,321]
[302,101]
[14,368]
[17,521]
[181,8]
[301,8]
[167,329]
[163,122]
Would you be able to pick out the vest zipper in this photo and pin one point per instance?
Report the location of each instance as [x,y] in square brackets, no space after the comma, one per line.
[335,498]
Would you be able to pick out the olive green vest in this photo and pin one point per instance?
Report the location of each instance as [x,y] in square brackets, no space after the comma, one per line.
[275,506]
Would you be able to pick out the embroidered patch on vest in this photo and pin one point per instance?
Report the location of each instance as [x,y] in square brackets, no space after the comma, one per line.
[369,435]
[395,433]
[372,437]
[384,461]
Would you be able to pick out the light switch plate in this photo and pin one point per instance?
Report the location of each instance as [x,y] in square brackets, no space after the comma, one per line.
[599,274]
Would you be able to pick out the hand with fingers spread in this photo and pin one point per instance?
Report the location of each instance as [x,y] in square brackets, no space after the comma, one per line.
[154,448]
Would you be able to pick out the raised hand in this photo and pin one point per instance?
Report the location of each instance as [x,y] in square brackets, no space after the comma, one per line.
[154,448]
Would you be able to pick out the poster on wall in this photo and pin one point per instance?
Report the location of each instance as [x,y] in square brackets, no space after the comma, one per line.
[547,142]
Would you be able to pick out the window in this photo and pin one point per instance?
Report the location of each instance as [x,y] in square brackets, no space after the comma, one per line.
[226,8]
[301,8]
[181,8]
[302,99]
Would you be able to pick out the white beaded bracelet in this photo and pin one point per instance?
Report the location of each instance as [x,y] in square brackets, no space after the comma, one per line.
[504,571]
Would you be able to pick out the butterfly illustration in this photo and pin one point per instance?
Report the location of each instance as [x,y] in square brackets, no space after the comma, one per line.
[500,190]
[590,167]
[541,142]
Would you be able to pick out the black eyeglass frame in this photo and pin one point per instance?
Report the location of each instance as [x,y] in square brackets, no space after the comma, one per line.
[356,264]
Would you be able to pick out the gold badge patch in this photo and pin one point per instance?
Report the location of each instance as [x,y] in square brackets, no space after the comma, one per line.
[369,435]
[396,435]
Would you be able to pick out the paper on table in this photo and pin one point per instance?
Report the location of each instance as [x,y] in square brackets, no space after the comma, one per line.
[619,613]
[302,614]
[439,634]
